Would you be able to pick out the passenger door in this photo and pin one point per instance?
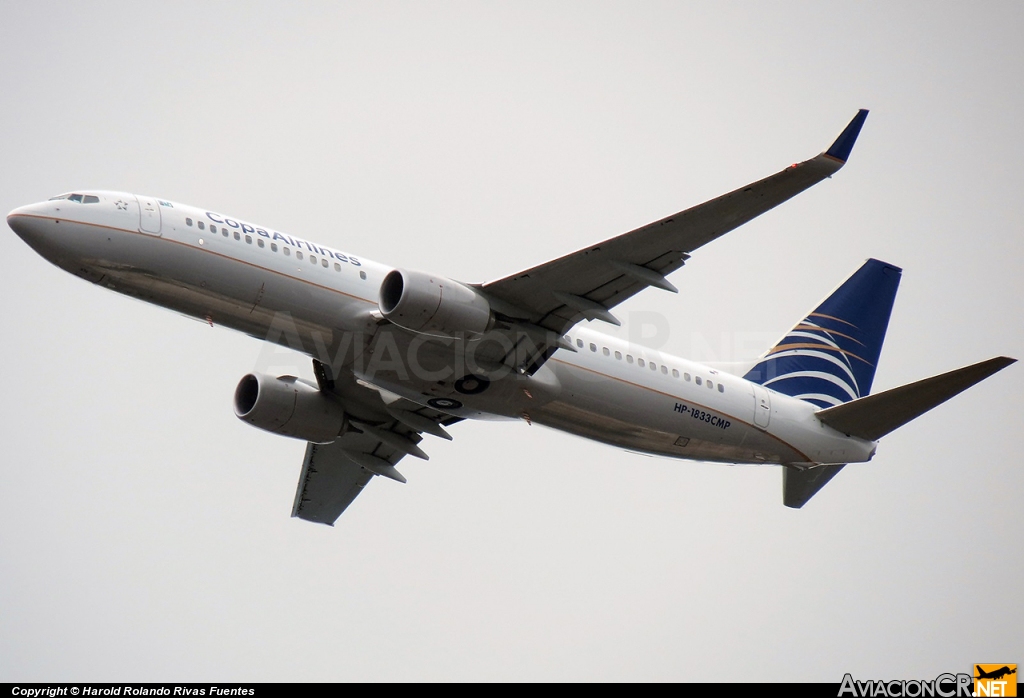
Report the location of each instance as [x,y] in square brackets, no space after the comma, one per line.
[762,406]
[149,215]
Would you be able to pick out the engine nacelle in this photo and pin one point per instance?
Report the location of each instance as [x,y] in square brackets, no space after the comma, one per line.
[289,407]
[433,304]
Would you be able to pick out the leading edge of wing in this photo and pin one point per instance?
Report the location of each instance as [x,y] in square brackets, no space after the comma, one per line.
[595,272]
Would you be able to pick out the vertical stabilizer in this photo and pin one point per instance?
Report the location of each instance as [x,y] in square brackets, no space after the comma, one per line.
[830,356]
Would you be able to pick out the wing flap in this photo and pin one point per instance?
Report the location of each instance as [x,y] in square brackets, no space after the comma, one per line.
[329,483]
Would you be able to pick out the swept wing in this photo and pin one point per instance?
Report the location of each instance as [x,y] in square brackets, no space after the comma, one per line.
[590,282]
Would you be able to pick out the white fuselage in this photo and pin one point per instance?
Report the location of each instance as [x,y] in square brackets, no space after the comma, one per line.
[324,303]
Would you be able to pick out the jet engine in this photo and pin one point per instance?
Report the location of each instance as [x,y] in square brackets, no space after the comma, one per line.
[433,305]
[289,406]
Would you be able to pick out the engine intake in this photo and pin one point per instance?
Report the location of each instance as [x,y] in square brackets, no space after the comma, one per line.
[290,407]
[433,305]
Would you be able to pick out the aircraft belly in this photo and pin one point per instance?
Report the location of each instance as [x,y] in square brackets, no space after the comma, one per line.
[436,373]
[649,420]
[215,288]
[643,439]
[443,374]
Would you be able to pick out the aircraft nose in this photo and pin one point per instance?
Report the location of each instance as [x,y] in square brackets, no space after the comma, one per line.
[29,223]
[20,222]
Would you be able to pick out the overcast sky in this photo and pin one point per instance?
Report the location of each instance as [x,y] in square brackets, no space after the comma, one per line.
[145,531]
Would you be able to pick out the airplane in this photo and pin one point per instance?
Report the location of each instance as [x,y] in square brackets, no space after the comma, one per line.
[995,674]
[398,354]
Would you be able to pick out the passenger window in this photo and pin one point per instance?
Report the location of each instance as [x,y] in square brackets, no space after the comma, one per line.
[202,226]
[605,351]
[224,232]
[697,380]
[312,259]
[323,263]
[248,239]
[618,355]
[237,236]
[213,228]
[664,369]
[686,377]
[675,372]
[711,385]
[298,255]
[188,222]
[273,247]
[654,366]
[721,388]
[629,358]
[362,275]
[260,243]
[593,347]
[287,251]
[337,267]
[640,363]
[579,343]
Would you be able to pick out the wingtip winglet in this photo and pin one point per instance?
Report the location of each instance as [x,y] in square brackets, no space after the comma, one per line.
[840,150]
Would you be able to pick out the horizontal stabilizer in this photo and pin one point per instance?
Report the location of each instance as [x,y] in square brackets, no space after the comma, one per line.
[800,485]
[874,416]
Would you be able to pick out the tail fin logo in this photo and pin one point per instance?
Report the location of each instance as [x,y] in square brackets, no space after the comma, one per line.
[822,369]
[829,357]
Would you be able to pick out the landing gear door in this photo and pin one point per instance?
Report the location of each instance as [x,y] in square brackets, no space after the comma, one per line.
[149,215]
[762,406]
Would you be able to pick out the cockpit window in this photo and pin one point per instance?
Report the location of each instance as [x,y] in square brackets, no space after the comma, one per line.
[78,198]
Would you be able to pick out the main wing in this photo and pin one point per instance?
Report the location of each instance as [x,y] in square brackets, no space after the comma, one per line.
[588,283]
[334,474]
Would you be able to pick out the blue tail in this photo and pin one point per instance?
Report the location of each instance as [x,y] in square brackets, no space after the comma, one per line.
[829,358]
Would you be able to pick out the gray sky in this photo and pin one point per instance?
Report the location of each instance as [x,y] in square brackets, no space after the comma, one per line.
[145,531]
